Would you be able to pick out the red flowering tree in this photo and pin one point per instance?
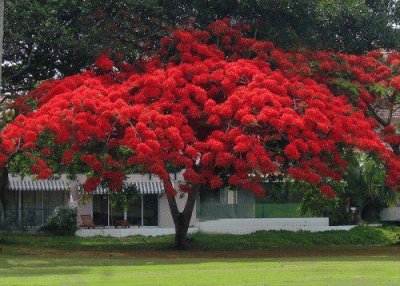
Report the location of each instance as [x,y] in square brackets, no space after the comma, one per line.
[226,109]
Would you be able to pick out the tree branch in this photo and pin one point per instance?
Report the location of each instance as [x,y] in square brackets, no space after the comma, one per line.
[377,117]
[173,207]
[21,70]
[191,200]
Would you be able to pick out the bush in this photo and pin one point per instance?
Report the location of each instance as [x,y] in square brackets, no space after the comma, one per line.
[316,204]
[362,187]
[61,222]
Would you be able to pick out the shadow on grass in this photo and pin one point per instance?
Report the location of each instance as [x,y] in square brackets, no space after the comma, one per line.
[28,266]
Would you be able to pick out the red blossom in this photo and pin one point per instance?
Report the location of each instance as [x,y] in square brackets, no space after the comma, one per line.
[92,161]
[91,184]
[3,159]
[395,82]
[47,152]
[68,157]
[291,152]
[104,63]
[327,191]
[41,169]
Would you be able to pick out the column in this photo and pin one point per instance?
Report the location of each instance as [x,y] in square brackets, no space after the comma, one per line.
[108,210]
[142,208]
[42,207]
[19,207]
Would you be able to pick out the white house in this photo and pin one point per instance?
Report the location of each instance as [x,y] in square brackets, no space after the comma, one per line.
[29,202]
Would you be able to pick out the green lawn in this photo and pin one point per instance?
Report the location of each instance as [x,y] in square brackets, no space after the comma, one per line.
[371,270]
[363,256]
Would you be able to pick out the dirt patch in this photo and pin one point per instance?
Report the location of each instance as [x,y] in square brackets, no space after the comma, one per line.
[171,254]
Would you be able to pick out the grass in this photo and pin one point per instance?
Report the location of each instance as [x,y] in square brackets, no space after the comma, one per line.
[377,270]
[276,210]
[362,256]
[366,236]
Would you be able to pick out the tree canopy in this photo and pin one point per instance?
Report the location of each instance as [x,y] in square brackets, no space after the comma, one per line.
[226,109]
[46,39]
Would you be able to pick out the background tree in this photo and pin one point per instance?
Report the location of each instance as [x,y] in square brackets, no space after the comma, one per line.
[365,187]
[225,109]
[46,39]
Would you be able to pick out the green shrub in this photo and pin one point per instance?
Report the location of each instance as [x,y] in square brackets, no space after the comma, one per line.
[61,222]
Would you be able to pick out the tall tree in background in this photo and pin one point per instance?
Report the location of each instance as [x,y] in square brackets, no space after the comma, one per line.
[46,39]
[3,181]
[1,40]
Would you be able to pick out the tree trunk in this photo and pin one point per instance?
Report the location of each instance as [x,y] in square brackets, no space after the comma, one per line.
[181,229]
[182,219]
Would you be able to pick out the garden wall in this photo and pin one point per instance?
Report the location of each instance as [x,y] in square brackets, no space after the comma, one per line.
[249,225]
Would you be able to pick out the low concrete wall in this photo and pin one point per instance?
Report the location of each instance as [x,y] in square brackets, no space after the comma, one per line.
[123,232]
[249,225]
[225,226]
[390,214]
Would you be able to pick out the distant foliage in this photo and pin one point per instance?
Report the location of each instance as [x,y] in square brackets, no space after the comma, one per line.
[363,189]
[59,38]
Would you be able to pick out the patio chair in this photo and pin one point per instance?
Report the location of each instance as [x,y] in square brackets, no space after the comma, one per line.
[87,221]
[123,224]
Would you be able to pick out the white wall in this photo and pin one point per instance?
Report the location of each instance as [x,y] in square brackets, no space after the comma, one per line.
[249,225]
[390,214]
[123,232]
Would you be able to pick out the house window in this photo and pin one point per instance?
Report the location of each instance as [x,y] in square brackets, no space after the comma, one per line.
[37,206]
[143,212]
